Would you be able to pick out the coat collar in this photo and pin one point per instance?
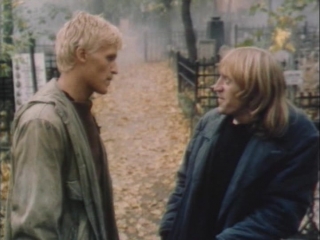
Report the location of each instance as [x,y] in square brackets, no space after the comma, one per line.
[212,128]
[210,135]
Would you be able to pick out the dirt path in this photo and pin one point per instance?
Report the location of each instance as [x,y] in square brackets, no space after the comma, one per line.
[145,134]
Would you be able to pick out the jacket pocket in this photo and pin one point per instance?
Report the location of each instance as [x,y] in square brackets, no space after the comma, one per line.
[74,190]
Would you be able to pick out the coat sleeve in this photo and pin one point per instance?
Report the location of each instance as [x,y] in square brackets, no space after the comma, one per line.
[36,201]
[286,198]
[176,195]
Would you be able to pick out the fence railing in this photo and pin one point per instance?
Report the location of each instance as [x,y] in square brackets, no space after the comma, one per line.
[309,102]
[7,109]
[194,82]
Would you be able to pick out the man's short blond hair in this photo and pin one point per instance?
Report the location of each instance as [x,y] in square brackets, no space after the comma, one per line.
[86,31]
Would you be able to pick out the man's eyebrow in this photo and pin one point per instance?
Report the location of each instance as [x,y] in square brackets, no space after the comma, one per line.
[113,55]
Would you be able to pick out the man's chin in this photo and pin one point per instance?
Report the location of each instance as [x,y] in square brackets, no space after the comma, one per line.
[220,110]
[102,91]
[223,111]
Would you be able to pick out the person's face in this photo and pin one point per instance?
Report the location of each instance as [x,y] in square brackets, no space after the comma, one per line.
[229,104]
[99,69]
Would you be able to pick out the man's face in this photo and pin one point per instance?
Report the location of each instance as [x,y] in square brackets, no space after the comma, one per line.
[229,104]
[99,69]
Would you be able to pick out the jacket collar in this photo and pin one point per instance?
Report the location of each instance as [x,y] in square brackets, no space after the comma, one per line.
[210,135]
[213,126]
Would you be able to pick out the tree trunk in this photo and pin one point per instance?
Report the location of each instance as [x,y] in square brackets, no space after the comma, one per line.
[188,28]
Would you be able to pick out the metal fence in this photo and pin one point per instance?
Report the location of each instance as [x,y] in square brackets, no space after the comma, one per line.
[7,109]
[194,82]
[309,102]
[50,59]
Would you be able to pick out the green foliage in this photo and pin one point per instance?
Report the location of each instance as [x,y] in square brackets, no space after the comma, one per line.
[287,15]
[187,104]
[246,43]
[258,7]
[283,20]
[134,10]
[4,70]
[18,18]
[159,6]
[23,21]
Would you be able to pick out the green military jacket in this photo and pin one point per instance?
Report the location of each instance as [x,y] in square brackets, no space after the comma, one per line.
[54,189]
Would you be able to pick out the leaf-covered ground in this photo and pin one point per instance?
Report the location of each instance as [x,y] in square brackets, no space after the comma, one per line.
[145,134]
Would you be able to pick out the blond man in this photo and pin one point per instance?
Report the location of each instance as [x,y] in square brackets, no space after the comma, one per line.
[250,169]
[60,185]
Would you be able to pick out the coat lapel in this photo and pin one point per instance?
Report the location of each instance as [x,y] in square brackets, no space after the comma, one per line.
[258,157]
[210,136]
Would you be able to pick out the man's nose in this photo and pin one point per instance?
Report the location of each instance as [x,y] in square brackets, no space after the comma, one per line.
[217,86]
[114,68]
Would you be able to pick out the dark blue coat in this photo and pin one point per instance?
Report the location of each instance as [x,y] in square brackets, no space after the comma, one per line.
[271,188]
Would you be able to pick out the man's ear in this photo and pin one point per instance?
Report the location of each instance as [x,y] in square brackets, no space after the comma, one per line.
[80,55]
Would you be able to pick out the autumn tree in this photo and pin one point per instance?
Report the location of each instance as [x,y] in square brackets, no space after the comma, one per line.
[6,30]
[6,27]
[188,29]
[7,21]
[283,20]
[20,25]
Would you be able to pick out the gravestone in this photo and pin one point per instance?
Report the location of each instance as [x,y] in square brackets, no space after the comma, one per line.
[206,48]
[22,76]
[215,30]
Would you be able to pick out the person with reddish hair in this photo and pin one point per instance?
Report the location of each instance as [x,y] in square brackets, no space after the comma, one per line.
[250,170]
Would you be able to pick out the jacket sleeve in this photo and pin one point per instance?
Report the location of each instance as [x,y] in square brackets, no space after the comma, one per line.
[286,198]
[36,201]
[176,195]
